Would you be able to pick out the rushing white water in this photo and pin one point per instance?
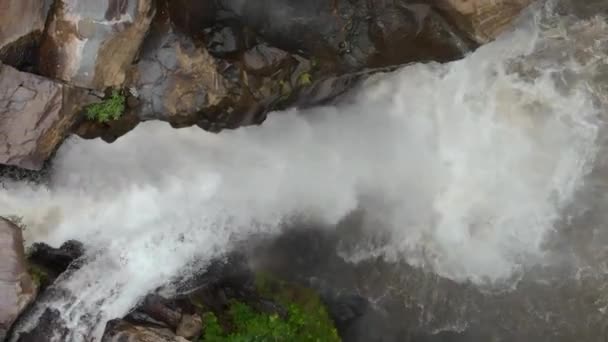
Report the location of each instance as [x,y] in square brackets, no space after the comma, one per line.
[464,166]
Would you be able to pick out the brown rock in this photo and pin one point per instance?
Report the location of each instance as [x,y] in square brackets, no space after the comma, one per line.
[158,308]
[264,59]
[190,327]
[121,331]
[91,43]
[482,20]
[21,25]
[16,287]
[36,114]
[180,82]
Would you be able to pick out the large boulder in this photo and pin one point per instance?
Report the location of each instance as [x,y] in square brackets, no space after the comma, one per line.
[482,20]
[21,25]
[91,43]
[36,114]
[177,80]
[17,289]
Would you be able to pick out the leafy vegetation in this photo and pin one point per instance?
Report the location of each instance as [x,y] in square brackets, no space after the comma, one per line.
[306,321]
[109,109]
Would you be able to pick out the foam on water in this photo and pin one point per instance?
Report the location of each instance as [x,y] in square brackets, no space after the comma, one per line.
[464,167]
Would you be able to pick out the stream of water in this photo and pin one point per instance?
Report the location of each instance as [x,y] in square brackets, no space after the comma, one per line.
[477,171]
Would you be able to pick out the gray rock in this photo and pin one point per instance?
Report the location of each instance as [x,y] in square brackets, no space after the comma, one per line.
[176,80]
[91,43]
[16,287]
[36,115]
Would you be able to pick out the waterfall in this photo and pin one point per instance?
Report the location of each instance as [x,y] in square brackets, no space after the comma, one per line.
[464,167]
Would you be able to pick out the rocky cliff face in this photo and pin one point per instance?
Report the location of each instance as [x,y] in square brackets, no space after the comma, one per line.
[16,287]
[22,26]
[35,115]
[216,64]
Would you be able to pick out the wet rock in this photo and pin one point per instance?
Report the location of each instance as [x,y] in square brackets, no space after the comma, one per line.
[192,16]
[264,59]
[92,43]
[111,130]
[349,35]
[412,33]
[224,40]
[180,82]
[16,287]
[190,327]
[482,20]
[122,331]
[48,324]
[55,261]
[37,114]
[159,309]
[140,318]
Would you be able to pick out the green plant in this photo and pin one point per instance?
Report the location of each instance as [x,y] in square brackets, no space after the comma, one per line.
[307,319]
[109,109]
[252,326]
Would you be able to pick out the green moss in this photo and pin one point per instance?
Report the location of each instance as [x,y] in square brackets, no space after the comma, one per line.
[305,79]
[110,108]
[39,276]
[307,319]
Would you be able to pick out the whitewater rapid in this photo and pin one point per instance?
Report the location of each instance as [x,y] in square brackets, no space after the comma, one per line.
[465,166]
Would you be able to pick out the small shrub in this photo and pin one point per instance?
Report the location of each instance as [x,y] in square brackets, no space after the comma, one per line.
[109,109]
[249,325]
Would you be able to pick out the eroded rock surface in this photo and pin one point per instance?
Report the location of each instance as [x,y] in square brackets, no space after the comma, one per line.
[21,25]
[35,116]
[482,20]
[91,43]
[16,287]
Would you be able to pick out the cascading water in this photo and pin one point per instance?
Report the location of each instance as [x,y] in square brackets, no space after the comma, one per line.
[465,167]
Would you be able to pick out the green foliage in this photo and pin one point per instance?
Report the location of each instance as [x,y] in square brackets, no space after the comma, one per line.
[252,326]
[39,276]
[305,79]
[307,319]
[109,109]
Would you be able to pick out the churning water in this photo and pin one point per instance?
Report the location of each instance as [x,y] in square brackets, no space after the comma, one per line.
[469,170]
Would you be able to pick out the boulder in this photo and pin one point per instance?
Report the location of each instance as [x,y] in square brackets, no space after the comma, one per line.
[190,327]
[91,43]
[482,20]
[21,26]
[17,289]
[122,331]
[36,115]
[179,81]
